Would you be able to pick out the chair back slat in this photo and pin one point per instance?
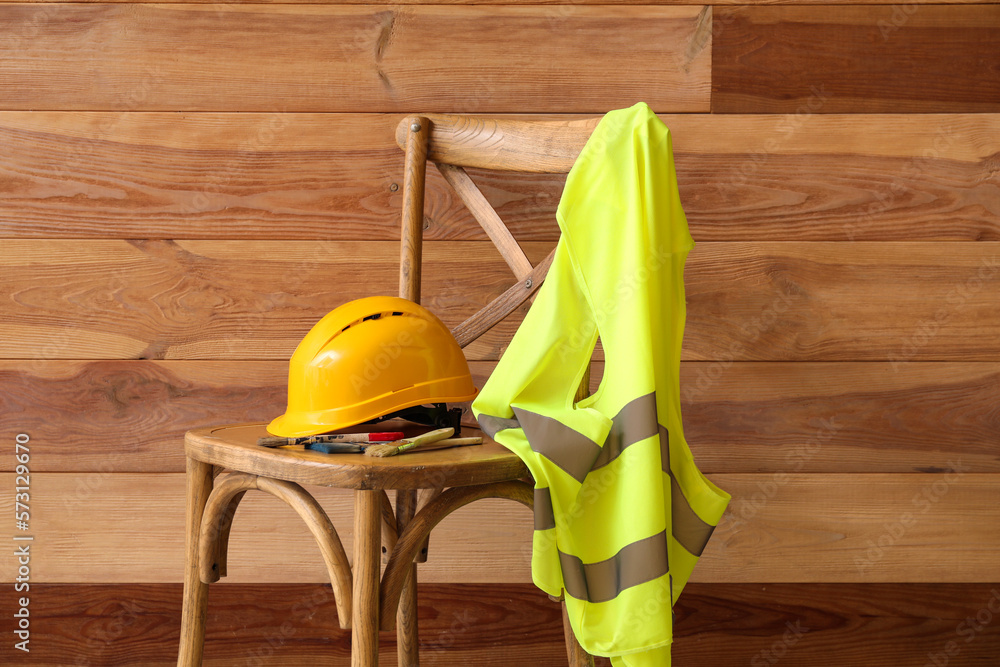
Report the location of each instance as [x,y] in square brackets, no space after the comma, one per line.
[542,147]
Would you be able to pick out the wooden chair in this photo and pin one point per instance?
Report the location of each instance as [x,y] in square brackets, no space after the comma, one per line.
[448,479]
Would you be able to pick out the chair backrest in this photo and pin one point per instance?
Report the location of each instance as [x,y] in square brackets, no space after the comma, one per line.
[455,142]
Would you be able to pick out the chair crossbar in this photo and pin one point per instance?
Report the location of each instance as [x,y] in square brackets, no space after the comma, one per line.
[487,217]
[502,306]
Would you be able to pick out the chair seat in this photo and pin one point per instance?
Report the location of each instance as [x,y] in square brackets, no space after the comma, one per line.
[235,447]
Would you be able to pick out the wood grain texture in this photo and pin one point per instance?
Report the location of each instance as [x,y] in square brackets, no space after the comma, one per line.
[840,362]
[868,625]
[781,527]
[856,528]
[900,301]
[407,612]
[767,301]
[548,3]
[186,299]
[78,514]
[860,59]
[235,447]
[365,603]
[724,625]
[412,226]
[289,176]
[413,538]
[283,625]
[227,175]
[131,416]
[535,146]
[841,417]
[488,219]
[216,525]
[496,310]
[198,480]
[354,58]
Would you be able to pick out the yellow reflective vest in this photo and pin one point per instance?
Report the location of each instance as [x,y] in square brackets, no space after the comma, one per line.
[622,513]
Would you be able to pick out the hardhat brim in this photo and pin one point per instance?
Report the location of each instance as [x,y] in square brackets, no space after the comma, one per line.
[299,424]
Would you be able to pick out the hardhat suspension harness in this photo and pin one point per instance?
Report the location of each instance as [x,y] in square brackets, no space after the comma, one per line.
[436,415]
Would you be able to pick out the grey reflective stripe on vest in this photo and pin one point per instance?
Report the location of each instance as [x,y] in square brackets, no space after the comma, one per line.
[636,563]
[664,449]
[634,423]
[690,531]
[687,527]
[577,454]
[545,517]
[492,425]
[569,449]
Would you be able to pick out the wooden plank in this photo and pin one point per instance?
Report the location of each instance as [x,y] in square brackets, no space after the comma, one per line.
[354,58]
[116,416]
[165,175]
[821,177]
[856,528]
[218,299]
[862,59]
[728,625]
[283,625]
[553,4]
[849,417]
[816,301]
[780,527]
[73,515]
[900,301]
[867,625]
[841,417]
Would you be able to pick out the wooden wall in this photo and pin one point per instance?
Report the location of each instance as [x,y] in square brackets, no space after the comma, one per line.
[186,188]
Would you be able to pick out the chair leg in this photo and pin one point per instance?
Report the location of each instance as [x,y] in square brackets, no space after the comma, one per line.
[367,548]
[407,640]
[199,486]
[574,652]
[406,623]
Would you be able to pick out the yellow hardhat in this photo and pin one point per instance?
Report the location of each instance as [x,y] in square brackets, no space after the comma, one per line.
[366,359]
